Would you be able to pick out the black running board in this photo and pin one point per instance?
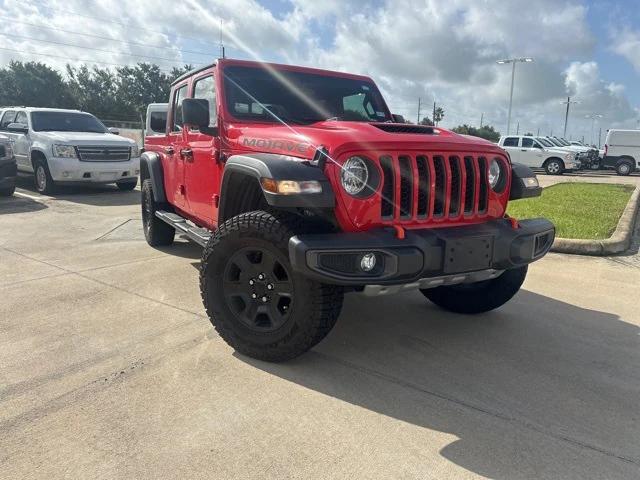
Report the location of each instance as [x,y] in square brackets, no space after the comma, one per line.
[199,235]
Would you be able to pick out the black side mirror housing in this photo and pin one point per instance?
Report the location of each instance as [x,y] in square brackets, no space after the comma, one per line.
[18,128]
[398,118]
[195,113]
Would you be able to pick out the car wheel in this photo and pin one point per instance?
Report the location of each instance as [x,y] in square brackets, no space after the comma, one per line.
[624,168]
[554,167]
[43,181]
[127,185]
[156,232]
[255,300]
[478,297]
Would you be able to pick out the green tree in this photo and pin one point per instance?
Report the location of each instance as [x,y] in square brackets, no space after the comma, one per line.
[438,115]
[34,84]
[487,132]
[426,121]
[95,90]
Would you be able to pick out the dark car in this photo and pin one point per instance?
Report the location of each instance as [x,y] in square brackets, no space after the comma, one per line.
[8,168]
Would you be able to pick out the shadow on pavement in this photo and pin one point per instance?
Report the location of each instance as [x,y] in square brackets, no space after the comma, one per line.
[97,195]
[539,388]
[16,204]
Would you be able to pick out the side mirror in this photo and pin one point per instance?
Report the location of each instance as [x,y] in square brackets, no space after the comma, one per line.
[195,113]
[115,131]
[18,128]
[398,118]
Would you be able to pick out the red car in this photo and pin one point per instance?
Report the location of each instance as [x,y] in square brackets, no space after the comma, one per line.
[301,186]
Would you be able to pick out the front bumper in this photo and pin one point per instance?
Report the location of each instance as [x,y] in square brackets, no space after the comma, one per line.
[73,170]
[422,254]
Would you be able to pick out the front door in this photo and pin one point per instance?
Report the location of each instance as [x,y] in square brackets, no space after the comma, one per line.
[21,144]
[203,170]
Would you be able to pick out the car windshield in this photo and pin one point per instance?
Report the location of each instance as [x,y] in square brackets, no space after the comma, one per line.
[555,142]
[544,142]
[564,142]
[66,122]
[263,94]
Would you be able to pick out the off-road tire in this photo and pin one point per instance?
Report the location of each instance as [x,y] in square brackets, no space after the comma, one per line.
[42,177]
[7,191]
[554,166]
[127,185]
[156,232]
[314,306]
[478,297]
[624,168]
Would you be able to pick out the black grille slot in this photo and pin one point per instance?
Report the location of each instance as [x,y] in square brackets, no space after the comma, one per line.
[406,187]
[470,185]
[456,186]
[423,186]
[483,197]
[441,188]
[404,128]
[386,163]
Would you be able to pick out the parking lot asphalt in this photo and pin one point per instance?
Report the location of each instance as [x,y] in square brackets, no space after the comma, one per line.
[109,368]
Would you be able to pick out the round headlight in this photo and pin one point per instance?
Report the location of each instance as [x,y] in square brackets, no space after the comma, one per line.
[354,175]
[494,173]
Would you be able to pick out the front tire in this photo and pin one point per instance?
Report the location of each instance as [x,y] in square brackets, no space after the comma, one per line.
[7,191]
[624,168]
[554,166]
[156,232]
[255,300]
[127,185]
[478,297]
[42,178]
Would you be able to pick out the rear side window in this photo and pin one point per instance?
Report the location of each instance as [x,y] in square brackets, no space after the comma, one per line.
[205,89]
[21,117]
[527,143]
[8,117]
[511,142]
[178,97]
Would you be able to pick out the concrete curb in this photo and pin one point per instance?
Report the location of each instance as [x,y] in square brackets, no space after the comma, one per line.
[617,243]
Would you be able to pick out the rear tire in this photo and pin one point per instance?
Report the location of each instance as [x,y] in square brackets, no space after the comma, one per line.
[156,232]
[255,300]
[42,177]
[624,168]
[127,185]
[478,297]
[554,166]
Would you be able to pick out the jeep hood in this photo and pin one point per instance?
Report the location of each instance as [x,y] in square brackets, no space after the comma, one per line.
[87,138]
[340,137]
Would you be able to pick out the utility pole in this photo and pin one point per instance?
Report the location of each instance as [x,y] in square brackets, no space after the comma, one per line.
[513,61]
[518,129]
[434,114]
[538,132]
[599,137]
[593,117]
[481,119]
[419,105]
[566,116]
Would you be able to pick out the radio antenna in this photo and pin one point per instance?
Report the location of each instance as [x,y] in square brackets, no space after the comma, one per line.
[221,43]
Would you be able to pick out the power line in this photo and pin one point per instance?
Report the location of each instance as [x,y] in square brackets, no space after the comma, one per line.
[10,35]
[111,39]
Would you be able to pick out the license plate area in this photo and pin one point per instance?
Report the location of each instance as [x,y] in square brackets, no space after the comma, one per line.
[468,254]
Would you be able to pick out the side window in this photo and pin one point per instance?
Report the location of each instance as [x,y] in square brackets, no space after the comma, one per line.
[205,88]
[510,142]
[8,117]
[178,97]
[527,142]
[21,117]
[537,145]
[355,109]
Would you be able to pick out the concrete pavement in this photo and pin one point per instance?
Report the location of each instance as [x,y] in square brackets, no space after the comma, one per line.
[110,369]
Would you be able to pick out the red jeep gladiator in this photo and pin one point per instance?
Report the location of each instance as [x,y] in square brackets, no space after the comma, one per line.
[300,186]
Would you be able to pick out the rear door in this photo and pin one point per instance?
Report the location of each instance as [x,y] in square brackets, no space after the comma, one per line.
[203,171]
[530,153]
[174,177]
[512,145]
[22,143]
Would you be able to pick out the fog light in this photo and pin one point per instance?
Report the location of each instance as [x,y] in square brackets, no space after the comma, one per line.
[368,262]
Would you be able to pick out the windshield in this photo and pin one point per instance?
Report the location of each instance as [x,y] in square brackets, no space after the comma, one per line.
[262,94]
[564,143]
[544,142]
[555,142]
[66,122]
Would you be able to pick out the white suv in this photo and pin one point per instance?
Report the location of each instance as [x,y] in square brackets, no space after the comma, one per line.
[69,146]
[536,152]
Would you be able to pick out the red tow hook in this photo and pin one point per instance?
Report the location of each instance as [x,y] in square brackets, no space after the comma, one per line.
[514,221]
[400,232]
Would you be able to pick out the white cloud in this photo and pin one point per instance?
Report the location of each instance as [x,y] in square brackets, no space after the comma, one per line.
[627,44]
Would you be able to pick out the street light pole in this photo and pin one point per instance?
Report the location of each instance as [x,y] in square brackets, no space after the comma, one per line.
[513,61]
[566,116]
[593,118]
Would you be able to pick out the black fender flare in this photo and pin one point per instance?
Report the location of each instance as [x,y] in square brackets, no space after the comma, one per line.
[278,167]
[151,168]
[518,187]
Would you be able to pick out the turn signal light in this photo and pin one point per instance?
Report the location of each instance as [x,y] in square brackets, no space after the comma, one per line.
[289,187]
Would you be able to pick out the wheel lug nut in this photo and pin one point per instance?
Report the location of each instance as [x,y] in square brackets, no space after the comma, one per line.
[261,276]
[252,281]
[265,299]
[253,295]
[269,287]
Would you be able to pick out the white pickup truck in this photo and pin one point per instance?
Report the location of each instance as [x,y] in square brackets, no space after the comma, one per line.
[536,152]
[69,146]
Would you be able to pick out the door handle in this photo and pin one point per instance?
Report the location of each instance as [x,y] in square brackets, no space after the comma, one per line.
[187,154]
[523,149]
[169,150]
